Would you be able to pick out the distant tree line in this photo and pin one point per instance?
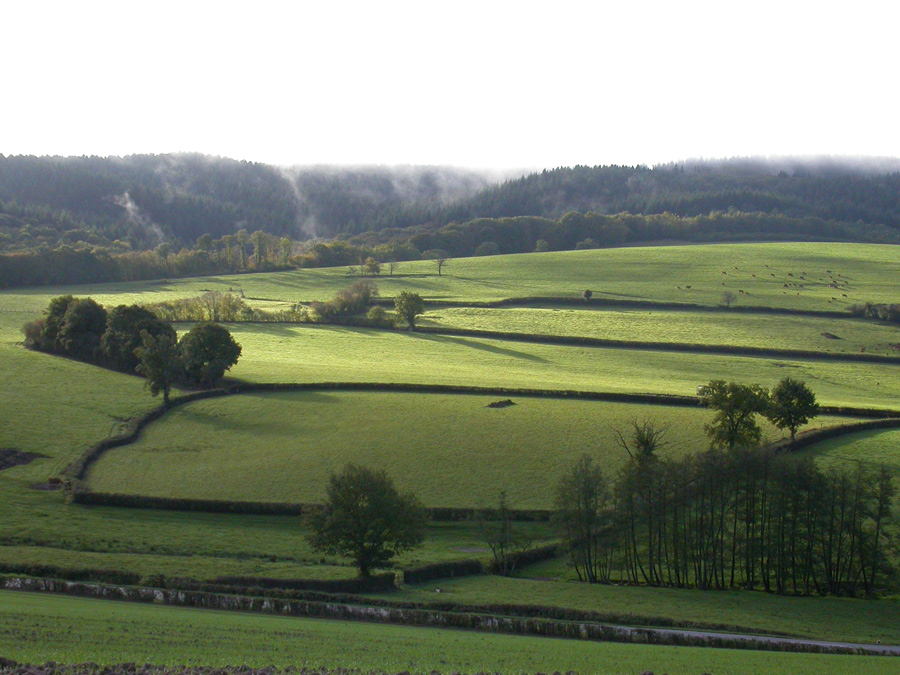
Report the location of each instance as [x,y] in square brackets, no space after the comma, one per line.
[132,339]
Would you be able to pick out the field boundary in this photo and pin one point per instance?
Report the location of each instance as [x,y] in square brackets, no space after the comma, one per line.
[478,621]
[681,347]
[79,493]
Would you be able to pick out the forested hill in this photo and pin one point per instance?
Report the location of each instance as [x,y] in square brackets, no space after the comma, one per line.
[834,189]
[141,201]
[145,200]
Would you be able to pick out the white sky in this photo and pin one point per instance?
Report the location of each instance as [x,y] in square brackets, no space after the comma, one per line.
[476,84]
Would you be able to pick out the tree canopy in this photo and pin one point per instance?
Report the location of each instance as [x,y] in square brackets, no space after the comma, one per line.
[792,405]
[207,351]
[736,406]
[366,519]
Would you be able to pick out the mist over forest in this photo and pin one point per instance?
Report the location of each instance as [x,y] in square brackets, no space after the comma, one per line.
[59,209]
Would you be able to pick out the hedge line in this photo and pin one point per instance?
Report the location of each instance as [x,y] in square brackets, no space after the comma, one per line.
[442,570]
[680,347]
[375,584]
[89,498]
[631,304]
[808,438]
[426,617]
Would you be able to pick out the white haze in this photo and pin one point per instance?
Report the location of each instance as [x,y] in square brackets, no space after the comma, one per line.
[476,84]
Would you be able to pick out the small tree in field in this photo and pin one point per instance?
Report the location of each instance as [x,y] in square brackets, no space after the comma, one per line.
[364,518]
[792,405]
[727,298]
[409,305]
[587,295]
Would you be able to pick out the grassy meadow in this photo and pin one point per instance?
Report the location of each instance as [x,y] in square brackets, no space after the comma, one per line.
[287,353]
[840,336]
[38,628]
[452,450]
[230,448]
[820,618]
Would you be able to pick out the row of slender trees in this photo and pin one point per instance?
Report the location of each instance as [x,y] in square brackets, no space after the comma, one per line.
[749,518]
[736,515]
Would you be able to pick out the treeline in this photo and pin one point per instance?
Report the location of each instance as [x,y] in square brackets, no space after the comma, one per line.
[144,200]
[731,519]
[132,339]
[576,230]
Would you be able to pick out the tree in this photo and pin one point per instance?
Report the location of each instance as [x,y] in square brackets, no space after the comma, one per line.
[82,327]
[439,256]
[736,406]
[409,305]
[364,518]
[792,405]
[727,298]
[124,327]
[587,295]
[159,360]
[207,351]
[541,246]
[486,248]
[373,267]
[581,502]
[506,541]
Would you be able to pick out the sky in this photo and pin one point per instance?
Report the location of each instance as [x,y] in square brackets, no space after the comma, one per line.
[472,84]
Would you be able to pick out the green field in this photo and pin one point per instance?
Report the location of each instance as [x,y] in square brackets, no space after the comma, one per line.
[699,327]
[42,628]
[864,272]
[282,353]
[821,618]
[452,450]
[440,446]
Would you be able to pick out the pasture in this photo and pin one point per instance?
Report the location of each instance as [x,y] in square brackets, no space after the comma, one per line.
[282,447]
[38,628]
[450,449]
[841,336]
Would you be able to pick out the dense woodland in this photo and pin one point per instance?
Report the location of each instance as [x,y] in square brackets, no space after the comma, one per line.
[88,219]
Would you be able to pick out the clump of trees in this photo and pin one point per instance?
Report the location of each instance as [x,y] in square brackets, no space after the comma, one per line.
[133,339]
[366,519]
[880,312]
[346,302]
[789,405]
[742,518]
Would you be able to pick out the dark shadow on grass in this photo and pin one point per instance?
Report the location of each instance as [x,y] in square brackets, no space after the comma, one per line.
[473,344]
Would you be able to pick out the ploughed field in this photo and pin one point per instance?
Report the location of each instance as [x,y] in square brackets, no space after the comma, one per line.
[281,447]
[450,449]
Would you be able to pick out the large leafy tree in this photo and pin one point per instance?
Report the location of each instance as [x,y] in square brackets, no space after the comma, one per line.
[82,327]
[207,351]
[792,405]
[159,360]
[124,326]
[409,305]
[736,406]
[366,519]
